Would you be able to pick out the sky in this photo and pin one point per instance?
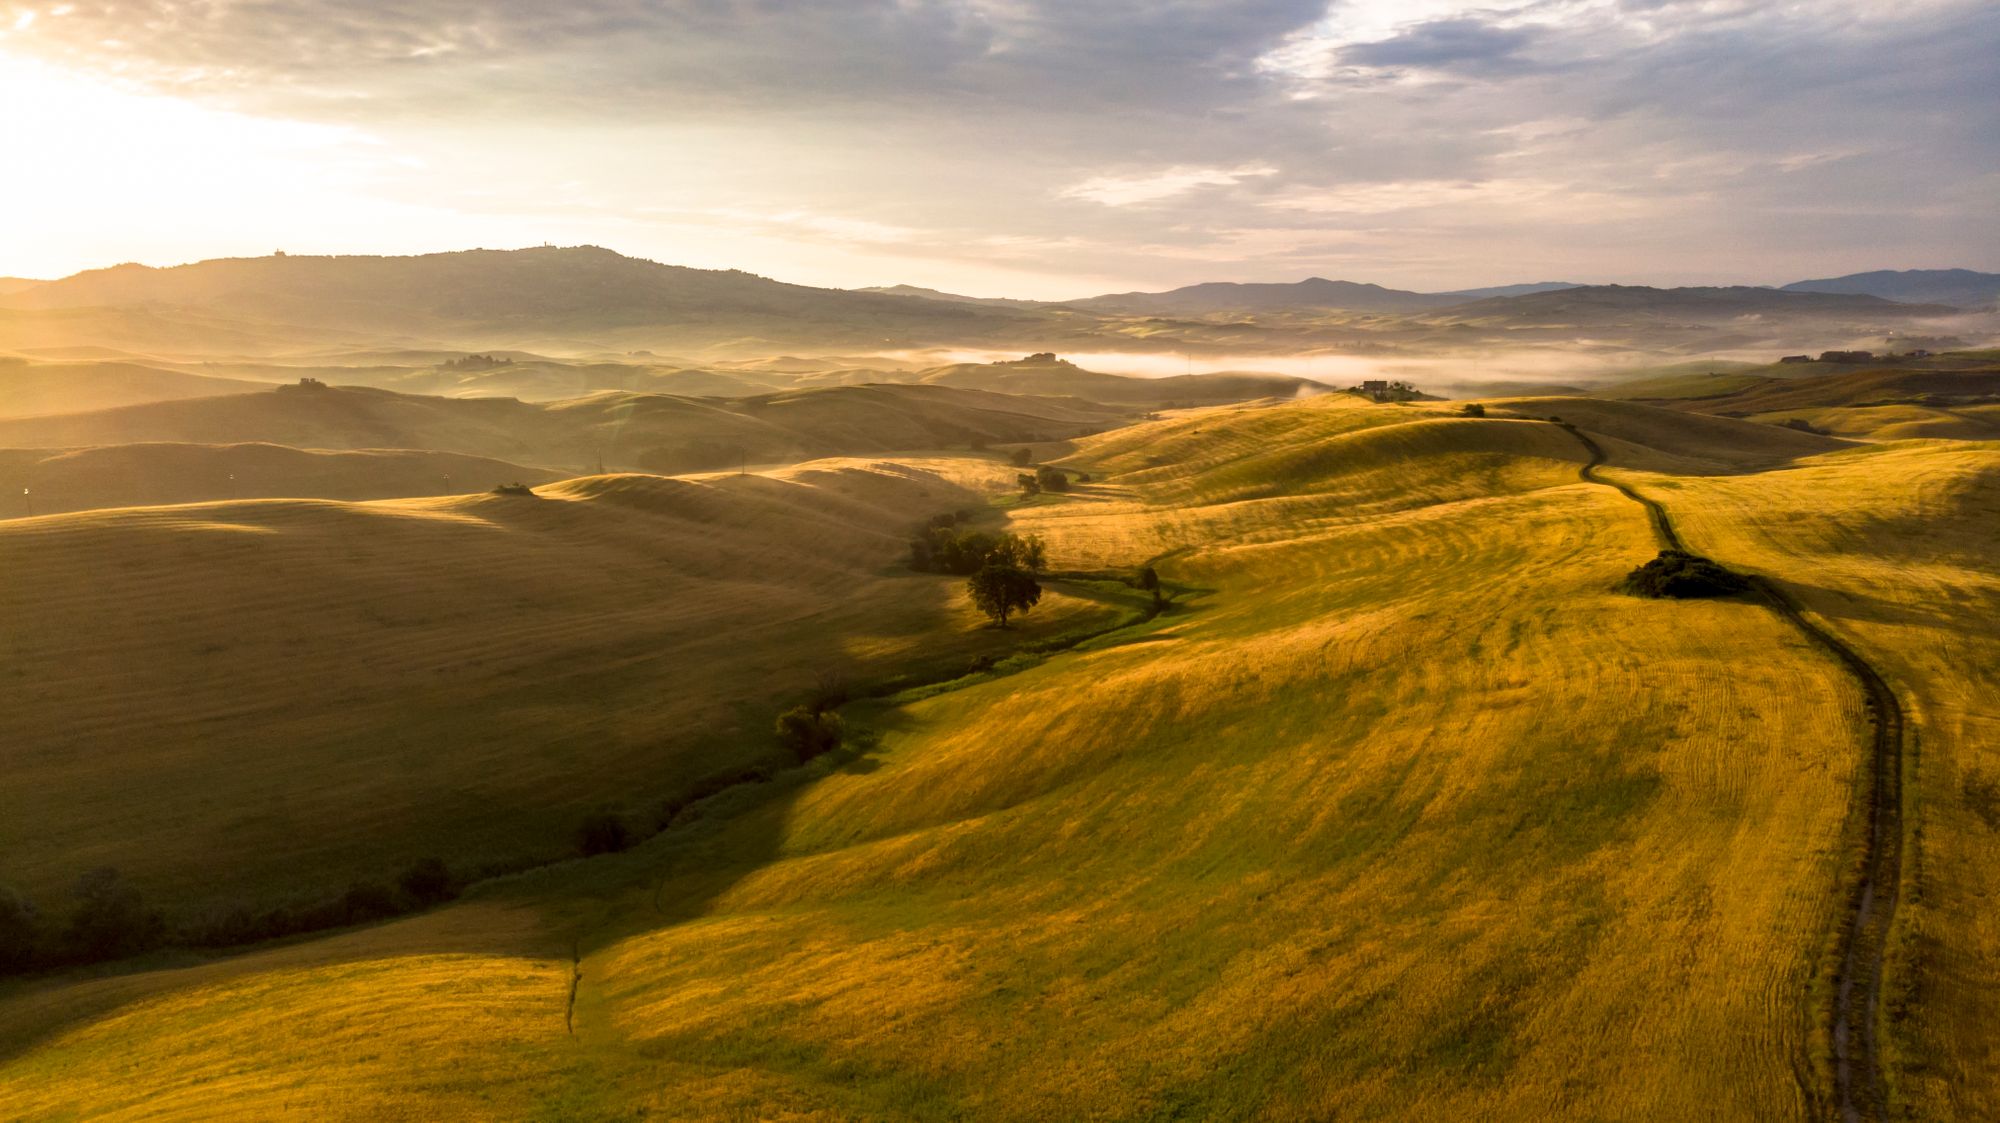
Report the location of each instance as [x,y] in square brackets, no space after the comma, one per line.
[1032,148]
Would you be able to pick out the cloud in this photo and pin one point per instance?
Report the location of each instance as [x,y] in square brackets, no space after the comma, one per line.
[1441,44]
[1416,142]
[1120,191]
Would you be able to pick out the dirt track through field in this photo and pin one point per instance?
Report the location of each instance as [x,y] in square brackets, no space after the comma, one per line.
[1857,1092]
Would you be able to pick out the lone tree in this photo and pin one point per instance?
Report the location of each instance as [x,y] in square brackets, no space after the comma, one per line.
[1052,479]
[1149,580]
[808,732]
[1473,409]
[1022,457]
[1000,590]
[1030,485]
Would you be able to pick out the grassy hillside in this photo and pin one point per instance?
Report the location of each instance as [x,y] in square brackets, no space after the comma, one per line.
[1892,547]
[1953,396]
[653,431]
[1402,812]
[261,700]
[137,475]
[28,389]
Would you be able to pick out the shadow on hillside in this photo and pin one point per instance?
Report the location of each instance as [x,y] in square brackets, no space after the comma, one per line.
[709,844]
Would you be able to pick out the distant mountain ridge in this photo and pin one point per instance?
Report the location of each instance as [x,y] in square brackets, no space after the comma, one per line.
[1963,288]
[1601,303]
[495,295]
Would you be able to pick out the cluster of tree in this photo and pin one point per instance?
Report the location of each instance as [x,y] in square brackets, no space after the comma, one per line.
[1044,479]
[810,731]
[1681,575]
[110,919]
[944,546]
[515,488]
[476,362]
[1472,409]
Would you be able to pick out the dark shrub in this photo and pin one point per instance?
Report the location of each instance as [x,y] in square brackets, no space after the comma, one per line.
[1472,409]
[1803,426]
[1022,457]
[1682,575]
[427,881]
[602,832]
[514,489]
[367,900]
[20,931]
[111,919]
[808,732]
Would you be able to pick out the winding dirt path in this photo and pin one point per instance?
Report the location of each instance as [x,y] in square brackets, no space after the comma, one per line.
[1864,935]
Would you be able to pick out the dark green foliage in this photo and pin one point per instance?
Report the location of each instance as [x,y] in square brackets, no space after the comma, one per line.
[602,832]
[110,919]
[428,881]
[1001,589]
[808,732]
[1022,457]
[1682,575]
[943,548]
[1030,485]
[1472,409]
[1052,479]
[20,931]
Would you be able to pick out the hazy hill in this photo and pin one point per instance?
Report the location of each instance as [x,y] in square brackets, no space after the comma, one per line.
[1039,374]
[1610,304]
[952,297]
[17,284]
[1963,288]
[1512,290]
[135,475]
[39,388]
[1870,387]
[628,429]
[1226,296]
[489,297]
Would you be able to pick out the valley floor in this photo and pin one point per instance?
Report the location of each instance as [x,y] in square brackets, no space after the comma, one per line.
[1401,811]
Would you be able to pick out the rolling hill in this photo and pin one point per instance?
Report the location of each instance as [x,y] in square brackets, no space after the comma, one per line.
[488,298]
[1225,296]
[30,388]
[1046,374]
[1400,811]
[1962,288]
[1592,305]
[139,475]
[651,431]
[296,694]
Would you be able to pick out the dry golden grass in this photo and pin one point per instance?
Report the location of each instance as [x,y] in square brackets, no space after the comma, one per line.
[136,475]
[259,700]
[1408,816]
[1897,549]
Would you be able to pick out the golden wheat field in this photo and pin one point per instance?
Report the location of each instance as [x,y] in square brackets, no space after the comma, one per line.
[1400,810]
